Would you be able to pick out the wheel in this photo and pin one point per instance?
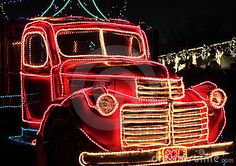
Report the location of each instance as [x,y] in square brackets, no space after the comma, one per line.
[62,146]
[64,143]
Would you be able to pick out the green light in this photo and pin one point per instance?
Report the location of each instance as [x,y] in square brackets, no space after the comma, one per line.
[48,8]
[61,8]
[81,4]
[96,6]
[10,106]
[15,96]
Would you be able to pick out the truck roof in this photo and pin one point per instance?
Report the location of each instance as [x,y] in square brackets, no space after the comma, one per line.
[84,22]
[80,19]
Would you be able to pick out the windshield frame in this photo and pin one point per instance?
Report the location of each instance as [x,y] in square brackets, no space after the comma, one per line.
[101,32]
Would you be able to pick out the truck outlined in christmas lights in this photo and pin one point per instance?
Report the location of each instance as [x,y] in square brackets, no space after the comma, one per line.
[101,100]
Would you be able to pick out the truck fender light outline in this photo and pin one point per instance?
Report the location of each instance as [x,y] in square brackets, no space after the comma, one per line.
[223,110]
[59,105]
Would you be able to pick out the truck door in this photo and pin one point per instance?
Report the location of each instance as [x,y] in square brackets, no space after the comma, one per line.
[35,75]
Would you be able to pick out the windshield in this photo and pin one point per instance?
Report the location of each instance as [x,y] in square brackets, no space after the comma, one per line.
[74,43]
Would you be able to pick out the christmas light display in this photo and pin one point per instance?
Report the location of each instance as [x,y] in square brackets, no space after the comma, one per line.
[3,12]
[152,157]
[49,7]
[119,9]
[65,5]
[106,104]
[7,106]
[160,88]
[150,117]
[11,3]
[180,59]
[81,4]
[54,5]
[101,38]
[97,8]
[131,115]
[218,98]
[18,138]
[132,109]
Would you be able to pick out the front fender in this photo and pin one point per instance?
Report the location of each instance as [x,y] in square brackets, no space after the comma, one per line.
[217,118]
[80,107]
[204,89]
[103,131]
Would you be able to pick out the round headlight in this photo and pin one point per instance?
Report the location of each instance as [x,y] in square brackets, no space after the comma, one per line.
[107,104]
[218,98]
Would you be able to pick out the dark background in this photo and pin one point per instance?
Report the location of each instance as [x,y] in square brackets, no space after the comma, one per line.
[175,25]
[186,23]
[178,24]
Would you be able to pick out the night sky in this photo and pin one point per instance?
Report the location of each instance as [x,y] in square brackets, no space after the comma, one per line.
[185,23]
[179,23]
[170,12]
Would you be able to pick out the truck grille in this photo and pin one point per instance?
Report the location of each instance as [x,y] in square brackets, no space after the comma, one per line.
[190,122]
[146,125]
[151,124]
[161,88]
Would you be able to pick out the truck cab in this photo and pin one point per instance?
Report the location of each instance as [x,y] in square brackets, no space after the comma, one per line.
[95,78]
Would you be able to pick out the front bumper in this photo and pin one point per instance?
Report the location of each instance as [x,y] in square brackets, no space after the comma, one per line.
[165,155]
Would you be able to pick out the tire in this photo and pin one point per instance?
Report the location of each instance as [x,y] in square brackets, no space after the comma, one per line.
[62,146]
[64,143]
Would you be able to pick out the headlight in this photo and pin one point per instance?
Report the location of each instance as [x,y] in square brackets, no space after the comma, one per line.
[106,104]
[218,98]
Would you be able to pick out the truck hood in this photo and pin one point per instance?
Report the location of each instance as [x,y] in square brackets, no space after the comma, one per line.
[115,67]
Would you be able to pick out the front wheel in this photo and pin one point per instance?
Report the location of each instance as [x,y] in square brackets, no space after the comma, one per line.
[64,144]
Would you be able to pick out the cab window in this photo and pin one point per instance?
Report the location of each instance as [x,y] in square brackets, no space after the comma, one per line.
[35,51]
[122,44]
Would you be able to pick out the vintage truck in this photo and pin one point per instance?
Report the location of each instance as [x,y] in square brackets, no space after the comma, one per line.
[91,95]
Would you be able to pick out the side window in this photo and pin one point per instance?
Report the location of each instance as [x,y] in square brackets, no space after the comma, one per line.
[35,50]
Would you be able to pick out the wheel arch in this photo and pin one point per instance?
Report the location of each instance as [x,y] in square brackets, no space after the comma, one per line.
[55,111]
